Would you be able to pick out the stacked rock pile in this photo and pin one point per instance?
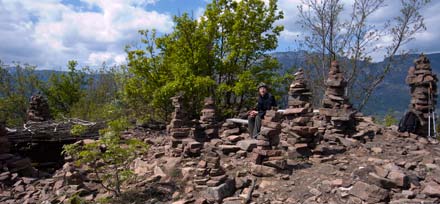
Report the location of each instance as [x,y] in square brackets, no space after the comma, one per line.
[181,131]
[298,128]
[266,153]
[235,138]
[211,178]
[209,172]
[337,111]
[423,85]
[208,121]
[38,109]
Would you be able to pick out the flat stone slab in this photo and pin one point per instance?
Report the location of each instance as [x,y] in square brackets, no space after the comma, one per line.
[237,120]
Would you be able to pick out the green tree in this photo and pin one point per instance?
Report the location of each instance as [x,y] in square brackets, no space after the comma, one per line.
[66,89]
[101,95]
[223,54]
[17,83]
[110,156]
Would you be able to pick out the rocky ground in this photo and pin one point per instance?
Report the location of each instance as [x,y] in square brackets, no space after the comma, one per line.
[391,167]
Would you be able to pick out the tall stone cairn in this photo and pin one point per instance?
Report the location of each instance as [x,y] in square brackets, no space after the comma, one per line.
[208,120]
[337,110]
[38,109]
[298,127]
[269,137]
[423,84]
[334,97]
[181,131]
[178,127]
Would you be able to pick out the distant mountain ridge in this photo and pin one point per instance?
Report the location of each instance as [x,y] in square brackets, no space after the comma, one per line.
[391,96]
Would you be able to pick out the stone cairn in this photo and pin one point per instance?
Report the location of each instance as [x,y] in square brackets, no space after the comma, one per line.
[38,109]
[337,110]
[208,122]
[336,121]
[269,137]
[423,85]
[209,172]
[298,127]
[181,131]
[212,179]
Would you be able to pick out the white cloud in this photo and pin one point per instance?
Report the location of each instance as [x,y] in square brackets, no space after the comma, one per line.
[53,33]
[49,33]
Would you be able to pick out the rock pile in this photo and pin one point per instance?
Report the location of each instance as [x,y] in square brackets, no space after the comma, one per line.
[235,139]
[208,121]
[374,182]
[211,177]
[334,97]
[181,131]
[66,183]
[299,94]
[38,109]
[266,156]
[337,111]
[209,172]
[423,85]
[298,127]
[229,129]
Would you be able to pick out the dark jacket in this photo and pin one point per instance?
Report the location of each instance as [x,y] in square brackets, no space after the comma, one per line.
[265,103]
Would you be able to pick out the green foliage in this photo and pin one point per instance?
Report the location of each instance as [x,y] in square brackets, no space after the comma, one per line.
[110,156]
[64,90]
[78,130]
[16,87]
[75,199]
[101,99]
[390,120]
[223,54]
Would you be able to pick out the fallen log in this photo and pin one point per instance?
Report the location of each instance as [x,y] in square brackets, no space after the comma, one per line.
[51,131]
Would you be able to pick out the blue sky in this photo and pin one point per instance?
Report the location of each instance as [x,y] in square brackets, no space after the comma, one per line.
[48,33]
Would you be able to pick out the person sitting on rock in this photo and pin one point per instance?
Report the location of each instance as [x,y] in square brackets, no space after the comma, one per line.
[265,102]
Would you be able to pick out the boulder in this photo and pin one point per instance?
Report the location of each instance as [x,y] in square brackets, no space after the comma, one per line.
[226,149]
[369,193]
[218,193]
[263,171]
[399,179]
[432,189]
[247,145]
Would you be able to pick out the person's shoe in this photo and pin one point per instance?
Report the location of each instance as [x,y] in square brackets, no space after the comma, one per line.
[433,140]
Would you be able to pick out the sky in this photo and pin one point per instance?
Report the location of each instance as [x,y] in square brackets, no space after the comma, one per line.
[48,33]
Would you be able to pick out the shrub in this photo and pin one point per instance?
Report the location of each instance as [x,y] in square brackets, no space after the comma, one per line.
[109,157]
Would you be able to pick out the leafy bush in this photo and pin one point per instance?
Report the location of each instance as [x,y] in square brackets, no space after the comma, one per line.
[109,157]
[78,130]
[390,120]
